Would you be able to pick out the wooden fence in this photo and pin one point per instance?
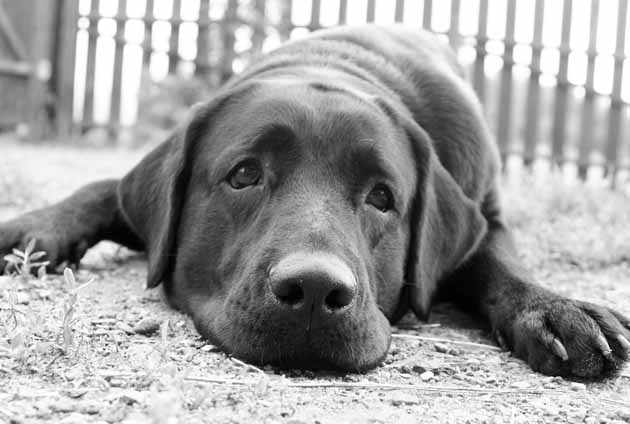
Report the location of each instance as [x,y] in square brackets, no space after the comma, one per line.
[535,104]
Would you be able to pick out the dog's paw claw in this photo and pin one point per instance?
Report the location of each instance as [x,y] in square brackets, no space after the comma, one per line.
[559,350]
[623,342]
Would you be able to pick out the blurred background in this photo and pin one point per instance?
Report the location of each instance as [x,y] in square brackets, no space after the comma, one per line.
[553,75]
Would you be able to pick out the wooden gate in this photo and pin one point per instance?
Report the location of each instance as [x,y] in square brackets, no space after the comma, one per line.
[29,71]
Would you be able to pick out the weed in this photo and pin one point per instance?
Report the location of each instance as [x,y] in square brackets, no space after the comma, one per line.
[68,318]
[24,262]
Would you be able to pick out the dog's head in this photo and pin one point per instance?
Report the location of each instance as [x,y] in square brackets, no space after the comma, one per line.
[293,220]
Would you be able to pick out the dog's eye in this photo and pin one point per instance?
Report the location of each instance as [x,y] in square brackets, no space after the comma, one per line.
[381,198]
[245,174]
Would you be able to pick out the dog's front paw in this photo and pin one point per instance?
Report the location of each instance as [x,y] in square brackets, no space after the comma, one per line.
[60,241]
[571,338]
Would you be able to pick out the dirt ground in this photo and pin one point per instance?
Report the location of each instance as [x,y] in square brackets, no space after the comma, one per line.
[133,360]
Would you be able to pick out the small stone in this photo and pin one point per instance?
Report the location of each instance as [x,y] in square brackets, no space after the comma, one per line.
[147,326]
[23,298]
[74,374]
[426,376]
[64,406]
[442,348]
[131,397]
[590,420]
[404,399]
[90,408]
[577,386]
[73,418]
[418,369]
[208,348]
[520,385]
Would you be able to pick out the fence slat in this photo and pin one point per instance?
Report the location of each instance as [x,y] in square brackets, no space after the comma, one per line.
[533,96]
[148,33]
[343,11]
[227,28]
[588,109]
[427,14]
[479,78]
[173,49]
[258,37]
[88,108]
[202,62]
[399,12]
[504,127]
[371,11]
[315,10]
[453,30]
[558,132]
[64,67]
[114,115]
[616,103]
[286,25]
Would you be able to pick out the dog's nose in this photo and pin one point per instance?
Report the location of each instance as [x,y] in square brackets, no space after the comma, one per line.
[314,284]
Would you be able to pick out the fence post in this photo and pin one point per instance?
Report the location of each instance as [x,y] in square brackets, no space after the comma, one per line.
[588,110]
[558,134]
[64,65]
[453,30]
[88,105]
[616,103]
[371,11]
[480,57]
[173,46]
[427,14]
[399,12]
[227,34]
[315,11]
[533,96]
[202,63]
[260,26]
[147,44]
[119,40]
[286,24]
[343,11]
[504,130]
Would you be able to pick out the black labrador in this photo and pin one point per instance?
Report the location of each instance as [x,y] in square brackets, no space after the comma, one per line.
[338,182]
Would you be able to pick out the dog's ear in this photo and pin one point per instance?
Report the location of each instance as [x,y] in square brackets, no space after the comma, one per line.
[446,226]
[151,195]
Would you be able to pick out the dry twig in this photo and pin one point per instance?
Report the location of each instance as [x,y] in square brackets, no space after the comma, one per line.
[440,340]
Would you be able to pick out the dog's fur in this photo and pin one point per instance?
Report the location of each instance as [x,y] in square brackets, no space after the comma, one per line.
[327,119]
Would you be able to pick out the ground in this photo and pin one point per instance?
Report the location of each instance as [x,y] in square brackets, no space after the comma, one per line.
[126,357]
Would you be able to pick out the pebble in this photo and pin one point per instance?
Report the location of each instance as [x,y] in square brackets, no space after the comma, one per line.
[74,374]
[577,386]
[23,298]
[147,326]
[404,399]
[442,348]
[590,420]
[520,385]
[426,376]
[208,348]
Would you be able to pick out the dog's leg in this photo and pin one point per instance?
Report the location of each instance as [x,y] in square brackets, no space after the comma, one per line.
[65,230]
[554,334]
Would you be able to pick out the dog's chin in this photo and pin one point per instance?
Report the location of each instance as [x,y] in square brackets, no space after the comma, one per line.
[324,349]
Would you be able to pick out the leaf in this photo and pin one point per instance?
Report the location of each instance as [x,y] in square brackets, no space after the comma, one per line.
[82,286]
[69,276]
[30,247]
[19,253]
[13,259]
[37,255]
[41,272]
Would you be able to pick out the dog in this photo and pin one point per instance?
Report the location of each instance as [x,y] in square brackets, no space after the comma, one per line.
[337,183]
